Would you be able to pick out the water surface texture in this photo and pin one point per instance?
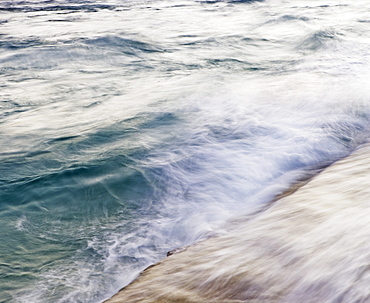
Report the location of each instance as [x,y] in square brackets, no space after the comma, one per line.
[130,128]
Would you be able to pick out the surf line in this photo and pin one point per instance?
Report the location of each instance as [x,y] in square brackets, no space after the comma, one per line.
[312,245]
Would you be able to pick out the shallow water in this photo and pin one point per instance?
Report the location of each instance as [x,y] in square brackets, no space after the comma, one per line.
[129,128]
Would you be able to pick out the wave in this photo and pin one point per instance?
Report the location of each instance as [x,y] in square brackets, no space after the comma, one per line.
[310,246]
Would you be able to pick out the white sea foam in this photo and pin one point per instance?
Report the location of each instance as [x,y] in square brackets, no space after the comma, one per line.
[135,128]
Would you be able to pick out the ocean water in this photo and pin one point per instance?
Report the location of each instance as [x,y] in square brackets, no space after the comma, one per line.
[130,128]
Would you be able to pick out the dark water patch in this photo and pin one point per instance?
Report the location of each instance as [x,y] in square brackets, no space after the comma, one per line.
[320,40]
[177,6]
[37,153]
[248,40]
[61,139]
[127,46]
[226,61]
[64,20]
[229,1]
[183,68]
[10,70]
[8,113]
[344,131]
[13,153]
[234,41]
[164,119]
[88,8]
[324,6]
[59,153]
[86,192]
[105,139]
[35,53]
[207,41]
[291,18]
[188,36]
[7,104]
[210,1]
[14,43]
[235,64]
[244,1]
[288,18]
[38,54]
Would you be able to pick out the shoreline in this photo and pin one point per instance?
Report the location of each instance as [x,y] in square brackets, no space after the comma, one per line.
[297,249]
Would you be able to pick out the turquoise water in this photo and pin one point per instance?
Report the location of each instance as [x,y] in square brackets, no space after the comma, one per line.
[129,128]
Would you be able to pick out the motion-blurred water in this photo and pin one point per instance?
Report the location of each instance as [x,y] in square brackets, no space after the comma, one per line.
[311,246]
[129,128]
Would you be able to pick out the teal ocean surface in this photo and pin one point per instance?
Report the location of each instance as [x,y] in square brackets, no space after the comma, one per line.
[130,128]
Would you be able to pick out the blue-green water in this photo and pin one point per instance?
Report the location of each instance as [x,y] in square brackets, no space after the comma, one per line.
[129,128]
